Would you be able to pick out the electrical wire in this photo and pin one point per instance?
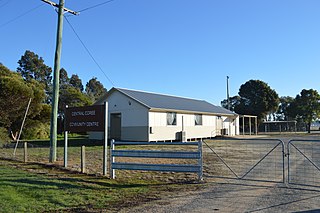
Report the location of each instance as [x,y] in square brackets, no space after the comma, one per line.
[94,6]
[95,61]
[1,6]
[16,18]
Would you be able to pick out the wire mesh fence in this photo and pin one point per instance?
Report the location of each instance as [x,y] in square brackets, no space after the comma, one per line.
[304,162]
[250,159]
[38,152]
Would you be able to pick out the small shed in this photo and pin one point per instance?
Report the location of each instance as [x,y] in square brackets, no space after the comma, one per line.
[144,116]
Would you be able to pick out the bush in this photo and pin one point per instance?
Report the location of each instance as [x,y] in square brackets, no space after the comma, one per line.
[4,137]
[36,130]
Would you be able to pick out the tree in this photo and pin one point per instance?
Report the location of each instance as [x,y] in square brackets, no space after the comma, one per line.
[31,66]
[63,79]
[95,89]
[283,113]
[234,101]
[76,82]
[257,98]
[70,92]
[72,97]
[306,106]
[15,93]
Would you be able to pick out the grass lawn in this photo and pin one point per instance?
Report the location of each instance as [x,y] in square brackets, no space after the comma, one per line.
[38,188]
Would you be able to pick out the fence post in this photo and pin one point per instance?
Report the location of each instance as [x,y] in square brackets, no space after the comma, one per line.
[112,171]
[25,152]
[105,145]
[200,161]
[83,159]
[283,164]
[288,154]
[65,159]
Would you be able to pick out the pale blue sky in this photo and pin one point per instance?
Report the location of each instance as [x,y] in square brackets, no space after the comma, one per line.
[179,47]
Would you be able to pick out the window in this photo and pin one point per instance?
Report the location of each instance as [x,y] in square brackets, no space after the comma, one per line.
[171,118]
[198,119]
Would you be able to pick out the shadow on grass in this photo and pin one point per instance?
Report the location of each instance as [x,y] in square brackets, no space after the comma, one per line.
[82,180]
[46,183]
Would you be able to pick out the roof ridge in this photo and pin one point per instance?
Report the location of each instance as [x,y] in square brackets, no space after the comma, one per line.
[169,102]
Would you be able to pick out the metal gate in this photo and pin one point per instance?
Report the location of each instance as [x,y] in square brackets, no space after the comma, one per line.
[304,162]
[245,159]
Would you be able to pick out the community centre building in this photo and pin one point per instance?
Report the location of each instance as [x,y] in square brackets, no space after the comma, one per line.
[144,116]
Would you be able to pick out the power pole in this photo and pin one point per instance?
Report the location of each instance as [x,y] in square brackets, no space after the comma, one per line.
[56,75]
[228,98]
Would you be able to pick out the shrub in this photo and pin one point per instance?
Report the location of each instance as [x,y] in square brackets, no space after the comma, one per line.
[4,137]
[36,130]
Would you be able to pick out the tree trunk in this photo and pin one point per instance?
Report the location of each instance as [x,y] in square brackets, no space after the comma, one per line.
[309,127]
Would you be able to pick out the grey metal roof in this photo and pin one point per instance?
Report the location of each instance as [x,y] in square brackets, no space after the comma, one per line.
[159,101]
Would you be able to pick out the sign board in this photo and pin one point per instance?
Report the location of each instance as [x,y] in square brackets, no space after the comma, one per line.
[85,119]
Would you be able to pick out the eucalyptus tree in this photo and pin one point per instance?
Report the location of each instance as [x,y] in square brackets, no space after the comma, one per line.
[95,89]
[306,106]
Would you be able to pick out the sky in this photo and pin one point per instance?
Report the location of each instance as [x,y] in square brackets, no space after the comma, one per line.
[184,48]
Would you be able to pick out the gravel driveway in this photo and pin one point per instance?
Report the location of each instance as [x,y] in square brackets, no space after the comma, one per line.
[238,196]
[227,195]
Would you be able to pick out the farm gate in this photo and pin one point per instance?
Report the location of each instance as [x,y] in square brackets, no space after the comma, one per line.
[245,159]
[268,160]
[304,162]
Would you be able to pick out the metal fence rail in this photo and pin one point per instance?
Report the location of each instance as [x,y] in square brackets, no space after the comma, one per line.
[304,162]
[192,168]
[250,159]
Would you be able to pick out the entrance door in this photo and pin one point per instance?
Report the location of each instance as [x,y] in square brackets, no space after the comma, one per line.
[115,127]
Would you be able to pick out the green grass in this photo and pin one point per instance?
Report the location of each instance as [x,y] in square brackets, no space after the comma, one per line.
[24,191]
[34,187]
[38,186]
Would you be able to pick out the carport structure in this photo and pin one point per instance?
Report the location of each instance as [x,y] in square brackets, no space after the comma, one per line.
[249,118]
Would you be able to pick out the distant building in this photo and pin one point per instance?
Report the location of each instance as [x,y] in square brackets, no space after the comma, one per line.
[143,116]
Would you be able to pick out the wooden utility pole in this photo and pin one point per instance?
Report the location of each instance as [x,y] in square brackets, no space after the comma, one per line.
[56,75]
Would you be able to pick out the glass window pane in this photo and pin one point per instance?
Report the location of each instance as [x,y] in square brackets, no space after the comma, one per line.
[198,119]
[171,118]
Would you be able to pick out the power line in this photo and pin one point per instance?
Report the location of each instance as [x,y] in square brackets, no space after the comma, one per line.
[25,13]
[97,5]
[1,6]
[95,61]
